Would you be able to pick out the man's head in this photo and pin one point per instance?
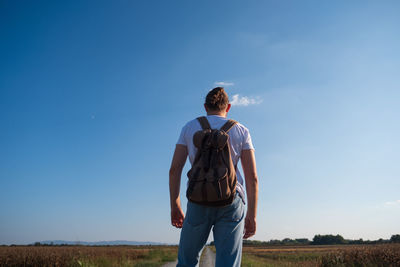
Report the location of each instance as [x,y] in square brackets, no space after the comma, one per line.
[217,102]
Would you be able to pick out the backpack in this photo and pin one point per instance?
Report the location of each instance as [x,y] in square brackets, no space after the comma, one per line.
[212,178]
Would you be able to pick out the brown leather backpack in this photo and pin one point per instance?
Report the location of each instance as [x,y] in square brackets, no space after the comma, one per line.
[212,178]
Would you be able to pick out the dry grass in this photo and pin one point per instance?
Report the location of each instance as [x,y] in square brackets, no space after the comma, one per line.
[344,255]
[375,255]
[86,256]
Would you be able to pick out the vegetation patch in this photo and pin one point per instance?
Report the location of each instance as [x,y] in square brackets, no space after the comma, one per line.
[338,255]
[85,256]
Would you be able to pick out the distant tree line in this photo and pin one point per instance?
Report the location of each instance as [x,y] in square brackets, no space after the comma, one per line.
[55,245]
[319,240]
[276,242]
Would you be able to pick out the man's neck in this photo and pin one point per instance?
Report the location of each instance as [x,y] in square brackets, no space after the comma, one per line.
[222,114]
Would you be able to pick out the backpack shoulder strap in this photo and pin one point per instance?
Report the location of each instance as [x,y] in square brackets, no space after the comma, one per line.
[228,125]
[204,123]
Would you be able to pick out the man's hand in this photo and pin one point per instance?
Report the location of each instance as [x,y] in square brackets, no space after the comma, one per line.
[250,175]
[177,217]
[249,226]
[178,161]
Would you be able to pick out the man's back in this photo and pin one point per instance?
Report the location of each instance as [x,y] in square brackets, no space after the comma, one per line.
[239,140]
[228,222]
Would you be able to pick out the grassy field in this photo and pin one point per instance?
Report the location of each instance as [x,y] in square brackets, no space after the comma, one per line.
[343,255]
[149,256]
[85,256]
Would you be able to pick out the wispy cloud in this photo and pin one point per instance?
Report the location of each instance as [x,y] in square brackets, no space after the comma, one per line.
[244,100]
[224,84]
[392,203]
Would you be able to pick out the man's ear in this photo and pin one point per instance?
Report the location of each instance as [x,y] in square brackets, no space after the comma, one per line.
[205,107]
[228,108]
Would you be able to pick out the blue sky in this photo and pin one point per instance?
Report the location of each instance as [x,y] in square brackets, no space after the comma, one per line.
[93,95]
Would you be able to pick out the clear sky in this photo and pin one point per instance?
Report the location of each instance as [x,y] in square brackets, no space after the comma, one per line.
[93,95]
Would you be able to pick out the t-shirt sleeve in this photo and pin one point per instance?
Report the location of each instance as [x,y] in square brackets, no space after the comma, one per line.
[247,143]
[182,139]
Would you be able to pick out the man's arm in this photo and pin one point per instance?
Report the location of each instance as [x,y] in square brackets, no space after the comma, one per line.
[178,162]
[250,175]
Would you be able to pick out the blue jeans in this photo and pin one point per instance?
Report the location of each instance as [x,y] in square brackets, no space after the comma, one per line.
[227,224]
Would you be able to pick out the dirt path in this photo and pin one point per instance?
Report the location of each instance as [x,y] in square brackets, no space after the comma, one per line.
[171,264]
[207,259]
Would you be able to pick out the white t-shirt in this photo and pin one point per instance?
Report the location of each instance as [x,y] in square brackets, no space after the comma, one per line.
[239,140]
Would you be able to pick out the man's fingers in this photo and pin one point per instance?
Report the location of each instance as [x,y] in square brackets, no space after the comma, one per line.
[249,228]
[177,217]
[248,234]
[177,220]
[177,224]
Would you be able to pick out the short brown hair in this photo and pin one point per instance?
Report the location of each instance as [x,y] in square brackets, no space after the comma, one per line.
[217,99]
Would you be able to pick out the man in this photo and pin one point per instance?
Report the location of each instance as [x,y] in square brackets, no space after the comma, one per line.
[228,223]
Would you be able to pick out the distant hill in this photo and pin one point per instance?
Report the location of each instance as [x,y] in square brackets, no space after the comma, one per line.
[101,243]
